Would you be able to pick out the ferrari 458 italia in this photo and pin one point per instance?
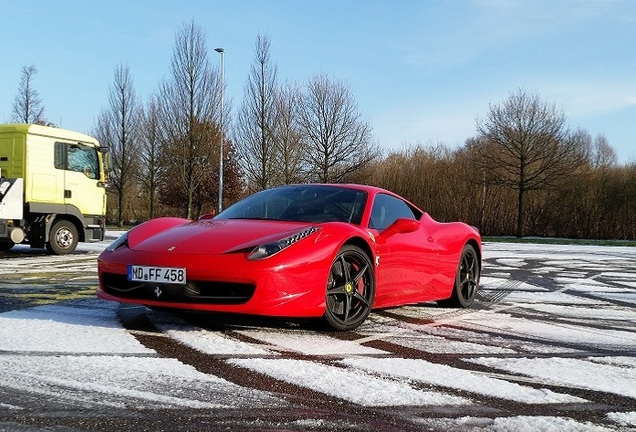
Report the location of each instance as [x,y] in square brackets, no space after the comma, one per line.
[327,251]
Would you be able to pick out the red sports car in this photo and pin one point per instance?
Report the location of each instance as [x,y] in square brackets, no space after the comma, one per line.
[330,251]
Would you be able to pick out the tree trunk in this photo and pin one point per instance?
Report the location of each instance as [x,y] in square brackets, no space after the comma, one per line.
[520,212]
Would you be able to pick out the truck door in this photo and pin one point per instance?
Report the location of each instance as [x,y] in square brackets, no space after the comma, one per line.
[81,175]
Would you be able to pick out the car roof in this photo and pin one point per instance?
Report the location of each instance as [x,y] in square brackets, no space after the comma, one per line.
[362,187]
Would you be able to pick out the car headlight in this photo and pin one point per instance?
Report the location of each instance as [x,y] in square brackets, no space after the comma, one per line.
[121,241]
[268,249]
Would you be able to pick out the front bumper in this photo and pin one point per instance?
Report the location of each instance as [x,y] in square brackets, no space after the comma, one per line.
[279,286]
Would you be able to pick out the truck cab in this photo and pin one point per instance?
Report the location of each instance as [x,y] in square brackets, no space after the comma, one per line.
[55,188]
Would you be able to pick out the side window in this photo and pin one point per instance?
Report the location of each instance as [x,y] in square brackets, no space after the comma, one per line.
[78,158]
[386,209]
[60,156]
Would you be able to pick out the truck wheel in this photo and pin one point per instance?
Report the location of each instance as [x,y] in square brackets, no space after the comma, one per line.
[5,246]
[63,238]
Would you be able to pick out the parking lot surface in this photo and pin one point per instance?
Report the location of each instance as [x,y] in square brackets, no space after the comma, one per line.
[549,343]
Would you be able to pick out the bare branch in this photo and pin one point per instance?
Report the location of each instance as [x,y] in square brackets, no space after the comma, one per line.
[27,105]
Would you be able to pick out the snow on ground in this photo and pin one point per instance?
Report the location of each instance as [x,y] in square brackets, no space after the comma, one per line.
[123,381]
[353,385]
[311,344]
[567,254]
[540,297]
[609,313]
[622,297]
[514,424]
[91,328]
[81,355]
[450,377]
[442,345]
[79,352]
[206,341]
[569,372]
[486,341]
[562,333]
[623,418]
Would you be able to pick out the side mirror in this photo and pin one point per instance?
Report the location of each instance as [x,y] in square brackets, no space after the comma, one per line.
[401,226]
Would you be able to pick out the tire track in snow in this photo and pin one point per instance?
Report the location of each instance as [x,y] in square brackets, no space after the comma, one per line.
[303,401]
[226,367]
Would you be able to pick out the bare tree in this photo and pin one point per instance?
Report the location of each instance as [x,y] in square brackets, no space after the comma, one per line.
[603,154]
[118,127]
[597,201]
[254,130]
[189,104]
[27,105]
[150,168]
[338,140]
[526,146]
[287,136]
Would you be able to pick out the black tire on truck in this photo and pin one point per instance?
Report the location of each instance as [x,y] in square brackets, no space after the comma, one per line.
[63,237]
[6,245]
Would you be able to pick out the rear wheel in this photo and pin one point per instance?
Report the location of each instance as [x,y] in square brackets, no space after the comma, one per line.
[466,280]
[350,289]
[63,238]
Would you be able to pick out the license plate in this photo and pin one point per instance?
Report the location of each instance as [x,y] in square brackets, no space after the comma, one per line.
[170,275]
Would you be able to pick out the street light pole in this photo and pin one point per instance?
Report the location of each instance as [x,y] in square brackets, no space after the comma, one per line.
[221,51]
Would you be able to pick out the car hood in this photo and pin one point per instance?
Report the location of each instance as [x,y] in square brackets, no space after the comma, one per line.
[214,237]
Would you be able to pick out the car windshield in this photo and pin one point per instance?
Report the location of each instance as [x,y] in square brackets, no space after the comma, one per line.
[302,203]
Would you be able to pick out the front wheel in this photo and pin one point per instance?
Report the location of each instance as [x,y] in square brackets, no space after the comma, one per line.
[466,280]
[63,238]
[350,289]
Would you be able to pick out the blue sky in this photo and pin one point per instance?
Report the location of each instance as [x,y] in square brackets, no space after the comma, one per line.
[421,71]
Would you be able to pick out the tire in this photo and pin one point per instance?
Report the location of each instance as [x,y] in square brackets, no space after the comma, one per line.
[350,289]
[6,246]
[466,280]
[63,238]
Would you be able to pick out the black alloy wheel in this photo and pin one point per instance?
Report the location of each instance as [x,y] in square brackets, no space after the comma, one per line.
[350,289]
[466,280]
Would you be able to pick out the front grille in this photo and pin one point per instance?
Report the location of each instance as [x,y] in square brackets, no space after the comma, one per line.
[201,292]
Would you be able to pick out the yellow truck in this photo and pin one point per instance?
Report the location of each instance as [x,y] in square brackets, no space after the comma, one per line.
[52,188]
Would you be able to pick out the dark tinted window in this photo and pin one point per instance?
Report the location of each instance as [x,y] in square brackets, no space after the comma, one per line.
[386,209]
[303,203]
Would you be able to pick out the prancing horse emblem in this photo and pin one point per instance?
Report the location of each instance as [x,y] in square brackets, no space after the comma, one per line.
[158,292]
